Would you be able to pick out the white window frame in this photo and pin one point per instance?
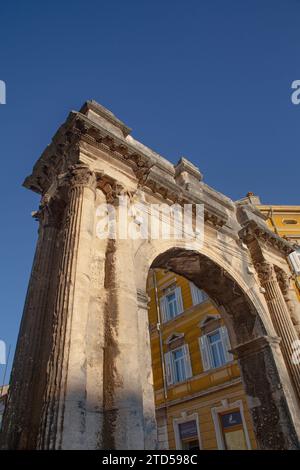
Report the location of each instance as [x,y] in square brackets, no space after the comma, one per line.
[198,295]
[218,429]
[216,344]
[170,367]
[185,419]
[205,349]
[294,260]
[165,314]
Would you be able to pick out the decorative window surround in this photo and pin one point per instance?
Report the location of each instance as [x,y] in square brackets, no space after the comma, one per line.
[166,283]
[175,339]
[206,349]
[171,307]
[184,419]
[221,409]
[184,367]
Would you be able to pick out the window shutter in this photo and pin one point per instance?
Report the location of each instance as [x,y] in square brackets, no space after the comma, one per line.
[187,362]
[226,343]
[198,295]
[294,259]
[179,299]
[169,368]
[194,294]
[205,352]
[163,309]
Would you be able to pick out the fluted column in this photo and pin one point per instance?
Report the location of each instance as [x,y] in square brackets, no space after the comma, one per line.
[281,317]
[290,297]
[20,426]
[63,418]
[150,428]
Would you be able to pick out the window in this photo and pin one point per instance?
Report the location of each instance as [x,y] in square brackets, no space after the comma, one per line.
[215,348]
[233,431]
[230,426]
[198,295]
[188,435]
[171,304]
[294,259]
[187,432]
[178,365]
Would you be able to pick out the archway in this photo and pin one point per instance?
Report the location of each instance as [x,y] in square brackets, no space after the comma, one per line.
[88,385]
[252,339]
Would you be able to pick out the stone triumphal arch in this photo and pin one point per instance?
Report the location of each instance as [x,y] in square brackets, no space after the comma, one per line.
[82,371]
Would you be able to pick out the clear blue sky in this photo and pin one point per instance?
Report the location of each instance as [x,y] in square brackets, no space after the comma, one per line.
[205,79]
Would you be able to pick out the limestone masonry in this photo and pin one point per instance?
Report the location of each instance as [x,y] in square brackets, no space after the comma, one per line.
[82,376]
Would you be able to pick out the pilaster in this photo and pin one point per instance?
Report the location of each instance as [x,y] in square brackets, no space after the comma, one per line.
[150,428]
[280,316]
[64,411]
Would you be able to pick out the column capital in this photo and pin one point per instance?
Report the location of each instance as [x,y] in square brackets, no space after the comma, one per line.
[265,271]
[110,187]
[255,345]
[80,175]
[283,281]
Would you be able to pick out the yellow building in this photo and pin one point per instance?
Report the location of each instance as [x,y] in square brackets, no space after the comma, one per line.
[199,395]
[285,221]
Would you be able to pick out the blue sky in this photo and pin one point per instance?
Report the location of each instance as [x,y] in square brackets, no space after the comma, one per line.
[206,79]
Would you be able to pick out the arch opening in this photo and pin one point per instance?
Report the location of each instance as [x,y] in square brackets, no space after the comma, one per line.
[259,361]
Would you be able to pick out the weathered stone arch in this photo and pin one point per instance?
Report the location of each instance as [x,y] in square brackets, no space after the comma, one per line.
[82,371]
[255,343]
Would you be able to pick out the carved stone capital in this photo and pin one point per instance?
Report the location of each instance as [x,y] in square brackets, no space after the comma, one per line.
[111,188]
[283,281]
[80,175]
[256,345]
[265,271]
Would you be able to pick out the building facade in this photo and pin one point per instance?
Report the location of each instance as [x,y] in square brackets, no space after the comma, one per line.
[82,374]
[199,395]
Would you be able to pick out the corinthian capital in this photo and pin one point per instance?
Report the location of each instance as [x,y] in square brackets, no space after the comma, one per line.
[265,272]
[81,175]
[283,280]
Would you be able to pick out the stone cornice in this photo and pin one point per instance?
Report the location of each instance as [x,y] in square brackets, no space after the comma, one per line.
[64,151]
[252,230]
[106,114]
